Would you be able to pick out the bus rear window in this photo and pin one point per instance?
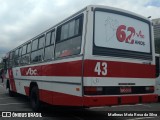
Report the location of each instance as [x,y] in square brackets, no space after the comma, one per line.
[118,34]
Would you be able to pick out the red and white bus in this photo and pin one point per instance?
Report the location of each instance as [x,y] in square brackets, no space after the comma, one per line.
[100,56]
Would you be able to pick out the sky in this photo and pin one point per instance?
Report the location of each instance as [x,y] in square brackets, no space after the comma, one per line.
[21,20]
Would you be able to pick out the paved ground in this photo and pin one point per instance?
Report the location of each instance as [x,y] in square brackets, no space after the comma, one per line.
[21,105]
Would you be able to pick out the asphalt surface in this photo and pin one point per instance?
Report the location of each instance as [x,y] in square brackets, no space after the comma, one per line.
[19,105]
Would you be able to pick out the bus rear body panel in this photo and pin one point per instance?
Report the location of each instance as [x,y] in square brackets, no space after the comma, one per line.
[119,66]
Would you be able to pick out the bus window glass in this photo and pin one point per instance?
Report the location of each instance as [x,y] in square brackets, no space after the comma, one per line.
[41,42]
[65,34]
[62,33]
[16,59]
[10,55]
[20,51]
[72,44]
[49,51]
[37,56]
[71,28]
[48,38]
[24,49]
[69,47]
[16,53]
[29,48]
[53,37]
[25,59]
[34,45]
[77,27]
[112,37]
[72,35]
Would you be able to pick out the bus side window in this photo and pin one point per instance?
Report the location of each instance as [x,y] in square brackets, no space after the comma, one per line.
[16,58]
[5,65]
[25,59]
[37,53]
[49,46]
[157,67]
[69,37]
[34,51]
[11,56]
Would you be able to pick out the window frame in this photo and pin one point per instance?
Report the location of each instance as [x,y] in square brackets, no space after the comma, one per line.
[39,42]
[11,55]
[11,59]
[16,57]
[26,54]
[113,52]
[52,42]
[47,39]
[80,31]
[38,49]
[22,50]
[58,33]
[32,45]
[30,48]
[52,32]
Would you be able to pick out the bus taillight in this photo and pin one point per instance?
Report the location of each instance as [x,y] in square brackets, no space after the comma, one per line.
[150,88]
[93,90]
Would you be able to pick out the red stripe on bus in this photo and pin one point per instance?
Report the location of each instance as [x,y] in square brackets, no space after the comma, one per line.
[11,80]
[129,99]
[93,101]
[74,68]
[149,98]
[120,69]
[57,98]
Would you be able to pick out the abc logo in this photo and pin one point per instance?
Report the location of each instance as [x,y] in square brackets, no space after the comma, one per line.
[31,72]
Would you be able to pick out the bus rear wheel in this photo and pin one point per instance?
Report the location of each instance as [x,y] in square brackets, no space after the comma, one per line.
[34,99]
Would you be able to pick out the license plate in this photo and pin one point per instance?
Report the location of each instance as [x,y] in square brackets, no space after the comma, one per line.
[125,90]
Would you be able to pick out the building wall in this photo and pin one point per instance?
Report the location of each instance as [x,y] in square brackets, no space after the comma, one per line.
[156,27]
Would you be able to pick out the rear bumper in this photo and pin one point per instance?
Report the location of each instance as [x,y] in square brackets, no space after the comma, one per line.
[93,101]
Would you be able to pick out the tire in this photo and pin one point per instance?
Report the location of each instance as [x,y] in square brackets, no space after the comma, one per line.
[34,99]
